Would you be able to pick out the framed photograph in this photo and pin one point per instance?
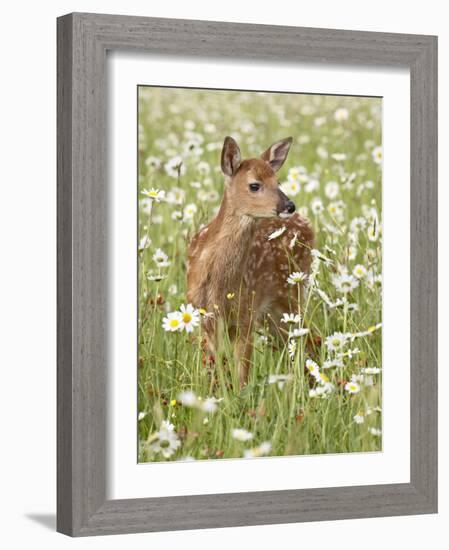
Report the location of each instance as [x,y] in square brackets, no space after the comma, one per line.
[247,274]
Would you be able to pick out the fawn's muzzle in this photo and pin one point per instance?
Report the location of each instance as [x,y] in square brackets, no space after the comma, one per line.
[286,207]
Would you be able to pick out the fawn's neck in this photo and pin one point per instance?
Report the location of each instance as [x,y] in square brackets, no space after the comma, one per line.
[232,236]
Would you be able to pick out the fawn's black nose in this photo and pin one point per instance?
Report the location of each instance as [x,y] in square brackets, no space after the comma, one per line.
[290,207]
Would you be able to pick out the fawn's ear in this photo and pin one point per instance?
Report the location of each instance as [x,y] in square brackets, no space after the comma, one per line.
[230,156]
[277,153]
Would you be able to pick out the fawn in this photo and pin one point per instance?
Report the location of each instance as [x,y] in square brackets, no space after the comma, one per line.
[234,270]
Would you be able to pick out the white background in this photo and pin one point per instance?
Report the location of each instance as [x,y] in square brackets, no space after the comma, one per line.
[131,480]
[28,308]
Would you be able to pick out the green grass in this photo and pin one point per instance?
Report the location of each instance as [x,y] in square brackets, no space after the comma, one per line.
[290,418]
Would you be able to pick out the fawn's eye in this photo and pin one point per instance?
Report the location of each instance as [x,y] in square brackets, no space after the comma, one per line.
[254,187]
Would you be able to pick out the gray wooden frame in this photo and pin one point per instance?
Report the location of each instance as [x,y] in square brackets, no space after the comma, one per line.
[83,40]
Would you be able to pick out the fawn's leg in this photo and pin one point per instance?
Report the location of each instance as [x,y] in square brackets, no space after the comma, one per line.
[210,333]
[244,351]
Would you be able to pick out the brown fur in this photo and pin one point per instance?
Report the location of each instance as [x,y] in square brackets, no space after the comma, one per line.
[232,254]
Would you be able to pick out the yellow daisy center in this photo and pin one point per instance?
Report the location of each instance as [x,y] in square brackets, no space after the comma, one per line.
[186,317]
[174,323]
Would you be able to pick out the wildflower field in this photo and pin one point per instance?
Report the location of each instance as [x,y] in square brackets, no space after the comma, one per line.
[321,391]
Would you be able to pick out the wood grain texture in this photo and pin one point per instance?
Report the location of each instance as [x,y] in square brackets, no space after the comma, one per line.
[83,40]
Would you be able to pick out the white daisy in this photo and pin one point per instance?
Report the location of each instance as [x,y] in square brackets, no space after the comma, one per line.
[176,215]
[210,128]
[330,363]
[350,353]
[209,405]
[189,211]
[373,281]
[359,271]
[352,387]
[373,231]
[154,194]
[144,242]
[153,162]
[357,224]
[337,341]
[155,276]
[322,378]
[203,168]
[165,441]
[296,277]
[323,390]
[371,370]
[291,187]
[212,196]
[293,241]
[323,296]
[318,255]
[188,399]
[172,322]
[313,368]
[277,233]
[311,186]
[298,332]
[341,114]
[190,317]
[192,148]
[291,348]
[322,152]
[262,450]
[377,155]
[146,206]
[339,156]
[375,431]
[291,318]
[352,252]
[336,210]
[345,283]
[160,258]
[175,166]
[359,418]
[317,206]
[296,173]
[331,189]
[176,195]
[367,332]
[241,435]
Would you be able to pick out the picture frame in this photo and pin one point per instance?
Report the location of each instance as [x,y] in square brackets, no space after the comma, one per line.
[83,41]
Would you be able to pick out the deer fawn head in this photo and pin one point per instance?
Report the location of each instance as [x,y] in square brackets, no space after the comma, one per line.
[252,188]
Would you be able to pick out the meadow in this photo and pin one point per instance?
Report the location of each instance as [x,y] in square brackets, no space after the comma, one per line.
[319,393]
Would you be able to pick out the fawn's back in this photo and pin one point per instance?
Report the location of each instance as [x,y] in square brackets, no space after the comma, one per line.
[271,261]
